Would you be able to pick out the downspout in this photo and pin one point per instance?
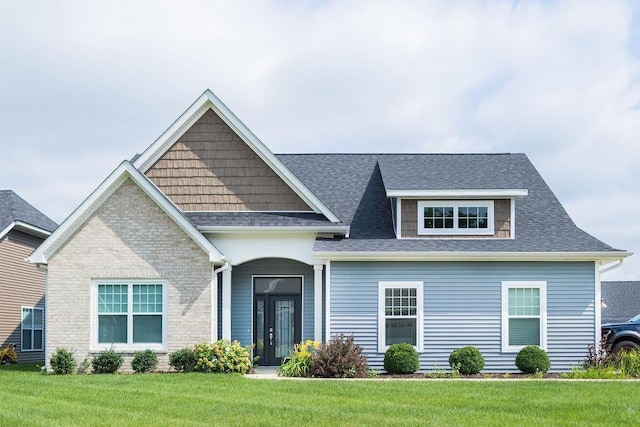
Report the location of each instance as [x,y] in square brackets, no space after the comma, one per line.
[598,299]
[44,267]
[214,297]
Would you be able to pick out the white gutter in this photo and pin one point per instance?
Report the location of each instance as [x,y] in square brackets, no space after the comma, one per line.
[472,256]
[450,194]
[343,230]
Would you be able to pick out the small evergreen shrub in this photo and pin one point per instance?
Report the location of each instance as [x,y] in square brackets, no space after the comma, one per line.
[532,359]
[299,364]
[466,360]
[183,360]
[107,362]
[339,358]
[144,361]
[223,356]
[401,359]
[62,362]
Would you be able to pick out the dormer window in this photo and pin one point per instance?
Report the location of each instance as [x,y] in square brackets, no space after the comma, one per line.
[446,217]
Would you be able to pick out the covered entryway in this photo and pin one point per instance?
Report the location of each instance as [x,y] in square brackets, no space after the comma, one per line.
[277,317]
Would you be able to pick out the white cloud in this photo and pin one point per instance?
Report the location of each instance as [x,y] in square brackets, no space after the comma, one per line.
[86,84]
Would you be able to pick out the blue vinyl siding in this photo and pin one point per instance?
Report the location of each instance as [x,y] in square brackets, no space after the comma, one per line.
[462,306]
[242,298]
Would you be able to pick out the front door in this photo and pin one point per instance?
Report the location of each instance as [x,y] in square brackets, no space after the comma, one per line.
[277,317]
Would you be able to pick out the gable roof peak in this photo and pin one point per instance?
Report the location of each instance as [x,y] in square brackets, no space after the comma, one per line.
[209,101]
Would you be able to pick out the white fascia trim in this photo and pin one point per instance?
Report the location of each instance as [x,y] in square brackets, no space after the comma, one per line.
[209,100]
[26,227]
[454,194]
[343,230]
[78,217]
[471,256]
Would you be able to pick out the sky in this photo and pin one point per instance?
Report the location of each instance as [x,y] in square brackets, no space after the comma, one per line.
[85,85]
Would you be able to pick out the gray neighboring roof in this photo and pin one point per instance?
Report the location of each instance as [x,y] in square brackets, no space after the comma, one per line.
[13,208]
[622,300]
[353,187]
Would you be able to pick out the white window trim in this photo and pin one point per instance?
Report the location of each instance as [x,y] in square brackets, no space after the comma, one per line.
[22,328]
[96,346]
[419,286]
[542,285]
[455,231]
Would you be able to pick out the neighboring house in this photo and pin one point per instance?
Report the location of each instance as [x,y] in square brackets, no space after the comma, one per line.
[208,235]
[22,229]
[621,301]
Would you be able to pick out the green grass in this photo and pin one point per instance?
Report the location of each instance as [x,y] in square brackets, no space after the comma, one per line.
[31,398]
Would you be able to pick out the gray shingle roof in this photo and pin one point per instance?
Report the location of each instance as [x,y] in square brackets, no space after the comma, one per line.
[257,219]
[353,187]
[622,300]
[14,208]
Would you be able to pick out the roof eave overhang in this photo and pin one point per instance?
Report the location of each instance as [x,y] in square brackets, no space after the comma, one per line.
[458,193]
[208,100]
[340,230]
[25,227]
[79,216]
[472,256]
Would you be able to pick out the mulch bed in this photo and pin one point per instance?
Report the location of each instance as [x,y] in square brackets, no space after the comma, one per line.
[480,376]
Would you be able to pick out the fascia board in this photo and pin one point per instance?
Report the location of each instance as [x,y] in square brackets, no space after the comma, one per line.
[472,256]
[100,195]
[32,229]
[273,229]
[458,193]
[7,230]
[209,100]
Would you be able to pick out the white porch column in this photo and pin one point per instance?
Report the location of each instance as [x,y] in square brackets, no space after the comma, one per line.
[226,303]
[317,302]
[214,305]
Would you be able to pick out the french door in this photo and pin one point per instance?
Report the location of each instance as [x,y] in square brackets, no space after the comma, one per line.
[277,317]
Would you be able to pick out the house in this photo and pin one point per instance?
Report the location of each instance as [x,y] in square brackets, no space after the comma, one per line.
[22,229]
[621,301]
[207,234]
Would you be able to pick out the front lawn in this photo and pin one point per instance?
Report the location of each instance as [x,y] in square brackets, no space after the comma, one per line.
[30,398]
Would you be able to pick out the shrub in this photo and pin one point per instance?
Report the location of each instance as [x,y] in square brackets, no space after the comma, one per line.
[183,360]
[107,362]
[222,356]
[532,359]
[598,357]
[401,359]
[144,361]
[299,364]
[339,358]
[62,362]
[630,363]
[466,360]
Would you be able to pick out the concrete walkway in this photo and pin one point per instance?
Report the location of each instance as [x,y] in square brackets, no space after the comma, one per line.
[265,372]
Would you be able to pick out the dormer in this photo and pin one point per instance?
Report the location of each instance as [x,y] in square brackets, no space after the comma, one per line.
[442,214]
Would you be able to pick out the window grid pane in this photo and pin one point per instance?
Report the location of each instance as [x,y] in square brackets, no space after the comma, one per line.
[147,298]
[400,302]
[524,301]
[112,298]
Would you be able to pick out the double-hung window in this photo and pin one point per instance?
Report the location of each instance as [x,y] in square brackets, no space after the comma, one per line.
[524,315]
[447,217]
[400,314]
[130,314]
[32,326]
